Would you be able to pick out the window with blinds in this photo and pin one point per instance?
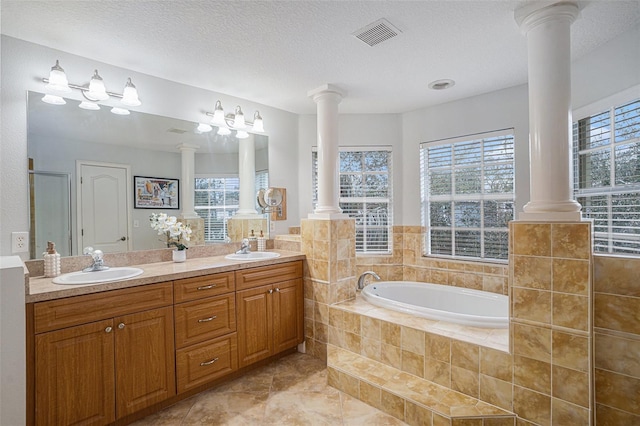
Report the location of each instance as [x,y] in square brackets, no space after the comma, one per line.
[467,187]
[217,199]
[365,195]
[607,176]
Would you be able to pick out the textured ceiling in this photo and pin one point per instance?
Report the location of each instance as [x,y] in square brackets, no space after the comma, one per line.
[274,52]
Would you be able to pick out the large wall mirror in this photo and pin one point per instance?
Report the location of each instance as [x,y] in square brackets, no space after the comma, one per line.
[61,138]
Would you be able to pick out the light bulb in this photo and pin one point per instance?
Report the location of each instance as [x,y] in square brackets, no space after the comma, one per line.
[204,128]
[130,95]
[241,134]
[218,115]
[97,91]
[238,121]
[58,79]
[258,126]
[224,131]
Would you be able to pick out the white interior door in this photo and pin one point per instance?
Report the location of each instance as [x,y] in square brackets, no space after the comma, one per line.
[104,211]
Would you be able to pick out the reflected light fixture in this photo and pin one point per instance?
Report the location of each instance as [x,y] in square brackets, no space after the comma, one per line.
[120,111]
[204,128]
[53,100]
[89,105]
[93,92]
[235,121]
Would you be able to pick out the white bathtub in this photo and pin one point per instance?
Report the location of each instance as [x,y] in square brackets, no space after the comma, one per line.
[441,302]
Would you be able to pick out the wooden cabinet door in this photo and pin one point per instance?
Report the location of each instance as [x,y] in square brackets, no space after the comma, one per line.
[145,359]
[287,315]
[75,375]
[255,324]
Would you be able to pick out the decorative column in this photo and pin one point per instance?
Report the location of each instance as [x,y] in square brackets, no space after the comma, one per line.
[327,97]
[247,172]
[247,218]
[548,40]
[189,215]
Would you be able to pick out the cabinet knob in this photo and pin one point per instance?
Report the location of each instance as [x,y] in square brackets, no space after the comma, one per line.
[121,325]
[202,364]
[206,287]
[277,290]
[108,330]
[270,291]
[208,319]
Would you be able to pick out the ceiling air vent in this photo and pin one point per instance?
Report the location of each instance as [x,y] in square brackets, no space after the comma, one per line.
[177,131]
[377,32]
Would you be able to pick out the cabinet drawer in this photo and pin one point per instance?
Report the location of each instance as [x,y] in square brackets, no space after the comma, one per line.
[61,313]
[263,275]
[204,362]
[204,319]
[199,287]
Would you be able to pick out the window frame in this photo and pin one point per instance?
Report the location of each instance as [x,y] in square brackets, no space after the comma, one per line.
[480,197]
[607,242]
[363,226]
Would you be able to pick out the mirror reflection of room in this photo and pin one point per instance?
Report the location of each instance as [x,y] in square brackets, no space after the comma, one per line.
[64,140]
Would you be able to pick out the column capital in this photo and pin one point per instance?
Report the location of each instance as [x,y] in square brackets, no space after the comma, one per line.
[532,14]
[187,147]
[327,89]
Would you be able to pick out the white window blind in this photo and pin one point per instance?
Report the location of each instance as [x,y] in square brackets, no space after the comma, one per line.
[217,199]
[467,187]
[607,176]
[365,194]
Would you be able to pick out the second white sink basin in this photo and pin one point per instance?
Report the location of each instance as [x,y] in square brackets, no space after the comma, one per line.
[111,274]
[254,255]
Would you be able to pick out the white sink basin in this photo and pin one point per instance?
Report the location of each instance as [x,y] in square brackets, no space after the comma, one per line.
[111,274]
[254,255]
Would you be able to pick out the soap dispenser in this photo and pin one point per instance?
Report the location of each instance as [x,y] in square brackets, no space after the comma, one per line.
[51,261]
[261,242]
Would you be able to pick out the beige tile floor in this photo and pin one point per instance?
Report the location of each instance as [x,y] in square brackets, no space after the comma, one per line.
[290,391]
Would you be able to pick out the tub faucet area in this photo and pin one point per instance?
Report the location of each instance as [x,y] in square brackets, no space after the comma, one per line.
[363,278]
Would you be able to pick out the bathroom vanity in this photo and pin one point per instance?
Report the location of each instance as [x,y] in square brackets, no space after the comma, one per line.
[115,354]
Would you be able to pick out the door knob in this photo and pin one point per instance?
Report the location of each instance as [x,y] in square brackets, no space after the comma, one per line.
[123,239]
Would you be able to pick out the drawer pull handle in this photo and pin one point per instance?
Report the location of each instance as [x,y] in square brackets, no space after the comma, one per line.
[204,364]
[208,319]
[206,287]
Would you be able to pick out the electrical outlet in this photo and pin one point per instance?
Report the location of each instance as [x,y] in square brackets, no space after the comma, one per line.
[19,242]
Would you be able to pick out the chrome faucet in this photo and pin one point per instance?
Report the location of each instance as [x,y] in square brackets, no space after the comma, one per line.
[245,248]
[363,278]
[98,261]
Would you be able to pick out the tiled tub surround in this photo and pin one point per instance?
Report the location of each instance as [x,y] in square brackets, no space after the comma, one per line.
[617,340]
[418,370]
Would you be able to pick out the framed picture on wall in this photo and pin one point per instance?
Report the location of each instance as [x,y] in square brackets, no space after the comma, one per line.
[156,193]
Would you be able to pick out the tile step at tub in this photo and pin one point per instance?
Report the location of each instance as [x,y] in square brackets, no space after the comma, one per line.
[409,398]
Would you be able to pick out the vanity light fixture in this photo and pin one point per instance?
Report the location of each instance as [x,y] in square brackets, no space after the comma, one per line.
[94,91]
[120,111]
[204,128]
[235,121]
[58,79]
[53,100]
[89,105]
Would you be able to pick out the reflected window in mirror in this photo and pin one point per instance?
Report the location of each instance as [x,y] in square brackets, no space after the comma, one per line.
[217,199]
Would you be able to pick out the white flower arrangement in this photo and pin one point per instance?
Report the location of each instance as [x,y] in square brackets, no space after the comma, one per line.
[174,231]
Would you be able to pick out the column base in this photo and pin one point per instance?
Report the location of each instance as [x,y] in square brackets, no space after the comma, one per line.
[327,216]
[549,217]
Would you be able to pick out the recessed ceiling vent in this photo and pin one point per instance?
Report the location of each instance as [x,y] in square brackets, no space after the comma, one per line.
[377,32]
[177,131]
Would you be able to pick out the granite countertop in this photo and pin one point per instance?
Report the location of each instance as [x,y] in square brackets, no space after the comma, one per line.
[40,288]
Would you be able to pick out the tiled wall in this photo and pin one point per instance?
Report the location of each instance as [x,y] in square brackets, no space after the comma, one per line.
[617,340]
[329,275]
[407,263]
[551,322]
